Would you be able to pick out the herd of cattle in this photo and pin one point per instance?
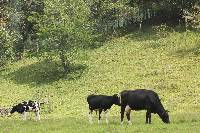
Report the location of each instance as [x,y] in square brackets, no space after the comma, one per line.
[140,99]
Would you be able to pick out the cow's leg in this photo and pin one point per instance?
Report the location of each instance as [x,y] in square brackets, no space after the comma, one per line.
[122,113]
[90,117]
[100,111]
[24,115]
[107,115]
[128,112]
[37,114]
[148,117]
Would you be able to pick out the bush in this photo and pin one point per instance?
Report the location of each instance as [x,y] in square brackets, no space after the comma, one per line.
[193,17]
[7,40]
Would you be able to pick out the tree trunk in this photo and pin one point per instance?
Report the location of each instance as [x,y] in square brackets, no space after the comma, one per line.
[63,62]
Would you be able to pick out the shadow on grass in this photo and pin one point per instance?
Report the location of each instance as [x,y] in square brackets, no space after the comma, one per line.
[185,52]
[148,33]
[151,33]
[144,35]
[45,72]
[98,41]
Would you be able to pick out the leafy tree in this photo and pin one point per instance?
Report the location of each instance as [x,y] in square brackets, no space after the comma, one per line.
[7,40]
[16,14]
[192,16]
[111,14]
[63,26]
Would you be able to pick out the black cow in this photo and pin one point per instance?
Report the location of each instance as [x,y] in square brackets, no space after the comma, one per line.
[27,106]
[101,103]
[142,99]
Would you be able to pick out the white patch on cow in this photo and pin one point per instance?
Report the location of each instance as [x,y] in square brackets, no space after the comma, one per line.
[99,121]
[120,100]
[36,106]
[30,109]
[129,122]
[36,110]
[24,115]
[127,109]
[37,115]
[9,114]
[122,123]
[107,116]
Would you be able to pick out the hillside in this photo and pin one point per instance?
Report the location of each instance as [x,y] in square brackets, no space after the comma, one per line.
[167,62]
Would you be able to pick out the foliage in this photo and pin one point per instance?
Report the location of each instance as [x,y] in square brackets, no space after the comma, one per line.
[49,27]
[162,59]
[109,15]
[7,41]
[63,26]
[14,20]
[192,16]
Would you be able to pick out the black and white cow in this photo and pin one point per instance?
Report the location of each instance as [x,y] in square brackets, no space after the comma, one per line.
[142,99]
[27,106]
[101,103]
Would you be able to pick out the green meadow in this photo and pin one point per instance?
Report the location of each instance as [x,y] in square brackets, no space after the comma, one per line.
[167,62]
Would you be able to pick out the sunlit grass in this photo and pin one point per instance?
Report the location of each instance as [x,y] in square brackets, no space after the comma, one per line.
[180,123]
[168,63]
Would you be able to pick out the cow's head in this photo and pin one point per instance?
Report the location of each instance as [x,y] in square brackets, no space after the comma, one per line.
[116,99]
[36,106]
[32,106]
[13,109]
[17,108]
[165,117]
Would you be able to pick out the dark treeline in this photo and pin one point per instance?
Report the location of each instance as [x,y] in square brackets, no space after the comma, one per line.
[52,28]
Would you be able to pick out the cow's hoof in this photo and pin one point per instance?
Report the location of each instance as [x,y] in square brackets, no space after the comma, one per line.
[99,122]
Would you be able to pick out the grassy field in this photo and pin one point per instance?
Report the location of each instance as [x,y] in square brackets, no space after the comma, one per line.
[166,62]
[181,123]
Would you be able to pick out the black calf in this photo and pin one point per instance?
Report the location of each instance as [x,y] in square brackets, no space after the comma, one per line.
[101,103]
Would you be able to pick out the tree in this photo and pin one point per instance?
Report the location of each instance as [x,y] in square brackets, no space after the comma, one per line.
[7,40]
[63,26]
[192,16]
[110,15]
